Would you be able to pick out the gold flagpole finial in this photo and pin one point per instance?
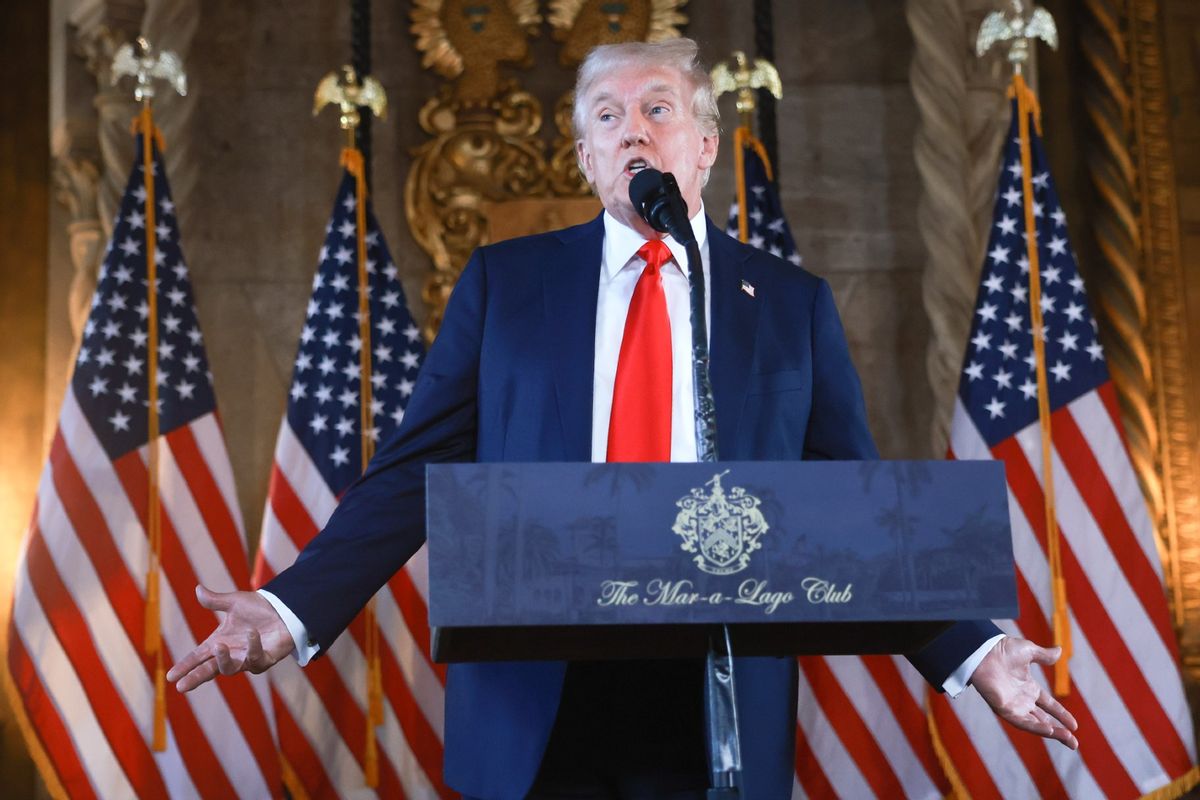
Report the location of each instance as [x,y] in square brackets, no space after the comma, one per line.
[1018,29]
[141,61]
[743,76]
[345,89]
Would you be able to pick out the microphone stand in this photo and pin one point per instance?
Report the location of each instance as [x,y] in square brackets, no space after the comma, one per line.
[720,701]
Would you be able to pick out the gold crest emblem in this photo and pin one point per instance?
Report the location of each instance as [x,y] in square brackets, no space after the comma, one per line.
[721,529]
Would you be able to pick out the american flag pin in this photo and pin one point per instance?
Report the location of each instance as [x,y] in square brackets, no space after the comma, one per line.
[748,287]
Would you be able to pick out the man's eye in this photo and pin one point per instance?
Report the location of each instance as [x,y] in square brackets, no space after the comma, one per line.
[659,110]
[606,116]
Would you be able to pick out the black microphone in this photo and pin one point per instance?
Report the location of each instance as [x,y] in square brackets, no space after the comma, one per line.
[656,198]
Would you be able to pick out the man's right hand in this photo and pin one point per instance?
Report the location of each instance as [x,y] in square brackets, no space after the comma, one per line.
[251,638]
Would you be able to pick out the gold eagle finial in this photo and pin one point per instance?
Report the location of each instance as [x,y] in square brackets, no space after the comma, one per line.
[145,64]
[743,76]
[345,89]
[1018,29]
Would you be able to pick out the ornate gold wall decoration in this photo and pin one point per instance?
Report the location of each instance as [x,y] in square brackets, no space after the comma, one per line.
[467,40]
[486,170]
[582,24]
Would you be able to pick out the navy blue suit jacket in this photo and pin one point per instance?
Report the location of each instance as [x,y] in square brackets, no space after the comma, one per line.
[509,378]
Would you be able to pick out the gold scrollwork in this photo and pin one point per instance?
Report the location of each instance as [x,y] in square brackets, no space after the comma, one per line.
[582,24]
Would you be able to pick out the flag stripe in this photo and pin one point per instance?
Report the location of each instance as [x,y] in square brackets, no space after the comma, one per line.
[832,756]
[416,618]
[908,714]
[44,719]
[307,766]
[809,774]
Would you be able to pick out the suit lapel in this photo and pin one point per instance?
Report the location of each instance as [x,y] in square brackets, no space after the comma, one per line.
[734,323]
[571,287]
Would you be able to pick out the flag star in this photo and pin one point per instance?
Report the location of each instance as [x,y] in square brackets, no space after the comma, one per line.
[138,338]
[378,381]
[346,229]
[122,275]
[372,238]
[349,203]
[166,350]
[1012,196]
[1037,209]
[795,259]
[995,408]
[1028,388]
[406,387]
[140,194]
[987,312]
[133,365]
[130,246]
[166,205]
[319,423]
[982,341]
[180,271]
[143,309]
[185,390]
[334,311]
[994,283]
[340,456]
[136,219]
[756,215]
[98,386]
[390,299]
[128,393]
[1057,246]
[331,339]
[160,377]
[1051,275]
[348,398]
[303,361]
[191,362]
[390,271]
[411,333]
[383,353]
[355,343]
[176,296]
[1023,264]
[1013,321]
[1068,341]
[1041,179]
[1015,169]
[327,365]
[1074,312]
[194,334]
[120,421]
[999,255]
[386,326]
[376,406]
[775,250]
[1095,351]
[1076,284]
[324,394]
[345,426]
[343,256]
[1059,217]
[1062,372]
[298,391]
[370,266]
[163,230]
[1030,361]
[398,414]
[1008,349]
[410,359]
[307,333]
[105,357]
[974,371]
[1003,379]
[373,433]
[351,370]
[340,283]
[172,323]
[84,356]
[115,302]
[1047,303]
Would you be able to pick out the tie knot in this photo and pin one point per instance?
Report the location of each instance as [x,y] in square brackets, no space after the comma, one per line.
[655,253]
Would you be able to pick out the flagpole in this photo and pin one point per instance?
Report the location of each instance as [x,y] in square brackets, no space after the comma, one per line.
[348,93]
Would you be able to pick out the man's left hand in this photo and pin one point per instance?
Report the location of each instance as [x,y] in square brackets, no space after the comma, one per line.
[1004,679]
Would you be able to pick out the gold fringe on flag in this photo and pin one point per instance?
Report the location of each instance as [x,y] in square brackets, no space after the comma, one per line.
[352,160]
[144,124]
[1027,104]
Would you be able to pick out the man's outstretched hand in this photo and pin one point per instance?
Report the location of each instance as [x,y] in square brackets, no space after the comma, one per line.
[1004,679]
[251,638]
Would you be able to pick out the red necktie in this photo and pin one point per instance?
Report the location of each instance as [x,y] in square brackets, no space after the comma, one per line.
[640,426]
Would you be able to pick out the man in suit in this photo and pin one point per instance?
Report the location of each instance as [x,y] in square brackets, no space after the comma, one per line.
[574,346]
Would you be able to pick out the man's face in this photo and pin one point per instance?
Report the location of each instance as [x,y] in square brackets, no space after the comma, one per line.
[635,118]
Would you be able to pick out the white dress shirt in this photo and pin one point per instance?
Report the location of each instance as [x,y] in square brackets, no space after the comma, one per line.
[620,269]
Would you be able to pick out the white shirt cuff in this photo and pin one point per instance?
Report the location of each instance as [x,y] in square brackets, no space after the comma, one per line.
[305,649]
[959,679]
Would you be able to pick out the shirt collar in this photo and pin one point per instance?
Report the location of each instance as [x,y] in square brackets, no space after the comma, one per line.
[621,243]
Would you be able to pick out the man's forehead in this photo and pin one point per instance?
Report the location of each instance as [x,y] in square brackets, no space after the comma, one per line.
[635,82]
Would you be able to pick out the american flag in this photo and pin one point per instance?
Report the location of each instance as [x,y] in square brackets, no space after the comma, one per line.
[767,229]
[75,657]
[860,724]
[320,708]
[1135,731]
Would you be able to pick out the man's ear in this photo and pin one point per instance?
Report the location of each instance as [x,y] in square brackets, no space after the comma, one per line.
[585,160]
[708,151]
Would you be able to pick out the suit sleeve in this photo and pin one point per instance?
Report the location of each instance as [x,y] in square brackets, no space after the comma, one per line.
[838,430]
[380,521]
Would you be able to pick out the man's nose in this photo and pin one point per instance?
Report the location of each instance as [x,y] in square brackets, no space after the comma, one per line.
[636,130]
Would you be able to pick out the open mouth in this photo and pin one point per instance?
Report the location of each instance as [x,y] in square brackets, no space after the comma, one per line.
[636,165]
